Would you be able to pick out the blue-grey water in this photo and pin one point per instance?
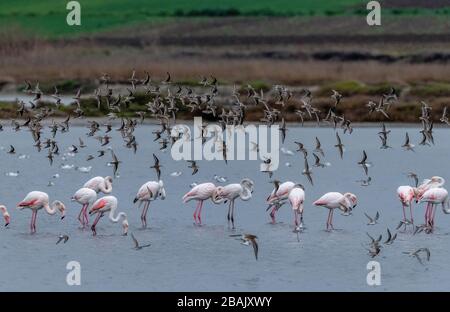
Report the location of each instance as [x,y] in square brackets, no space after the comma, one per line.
[184,257]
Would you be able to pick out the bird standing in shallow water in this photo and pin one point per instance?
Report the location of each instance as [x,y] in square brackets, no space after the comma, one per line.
[200,193]
[231,192]
[36,201]
[84,196]
[148,192]
[332,200]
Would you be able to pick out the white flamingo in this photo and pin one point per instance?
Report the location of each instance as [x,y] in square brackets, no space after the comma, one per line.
[200,193]
[100,184]
[406,195]
[148,192]
[278,194]
[5,214]
[86,197]
[231,192]
[103,205]
[296,199]
[35,201]
[333,200]
[433,197]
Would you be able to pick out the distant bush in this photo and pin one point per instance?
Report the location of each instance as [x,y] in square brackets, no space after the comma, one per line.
[207,12]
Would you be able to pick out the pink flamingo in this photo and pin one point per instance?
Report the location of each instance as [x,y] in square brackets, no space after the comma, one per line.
[100,184]
[333,200]
[148,192]
[406,195]
[433,197]
[5,214]
[37,200]
[279,193]
[201,192]
[296,198]
[84,196]
[427,184]
[231,192]
[103,205]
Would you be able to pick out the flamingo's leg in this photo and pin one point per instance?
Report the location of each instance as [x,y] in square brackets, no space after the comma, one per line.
[295,218]
[199,214]
[329,218]
[144,214]
[229,213]
[410,211]
[94,231]
[272,214]
[80,216]
[433,213]
[195,211]
[86,217]
[426,213]
[33,221]
[404,217]
[232,214]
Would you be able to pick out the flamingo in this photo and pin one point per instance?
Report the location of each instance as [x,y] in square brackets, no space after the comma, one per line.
[296,198]
[148,192]
[84,196]
[100,184]
[279,193]
[406,195]
[201,192]
[5,214]
[35,201]
[105,204]
[333,200]
[434,196]
[231,192]
[427,184]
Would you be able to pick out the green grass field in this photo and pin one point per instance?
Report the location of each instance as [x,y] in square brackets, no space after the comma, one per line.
[47,18]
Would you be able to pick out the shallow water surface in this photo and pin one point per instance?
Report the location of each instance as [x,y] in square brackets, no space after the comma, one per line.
[184,257]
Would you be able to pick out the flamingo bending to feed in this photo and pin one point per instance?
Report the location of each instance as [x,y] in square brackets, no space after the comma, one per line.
[280,192]
[100,184]
[333,200]
[103,205]
[37,200]
[231,192]
[5,214]
[200,193]
[406,195]
[296,199]
[148,192]
[86,197]
[433,197]
[427,184]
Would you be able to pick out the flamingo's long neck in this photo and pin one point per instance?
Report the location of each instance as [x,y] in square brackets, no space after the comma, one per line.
[246,194]
[51,210]
[106,186]
[116,218]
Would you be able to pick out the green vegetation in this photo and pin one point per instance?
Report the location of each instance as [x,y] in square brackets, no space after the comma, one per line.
[439,89]
[350,87]
[48,17]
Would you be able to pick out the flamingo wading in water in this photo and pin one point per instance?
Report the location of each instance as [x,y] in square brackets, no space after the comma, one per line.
[100,184]
[406,195]
[103,205]
[37,200]
[333,200]
[148,192]
[86,197]
[433,197]
[5,214]
[231,192]
[296,198]
[200,193]
[279,193]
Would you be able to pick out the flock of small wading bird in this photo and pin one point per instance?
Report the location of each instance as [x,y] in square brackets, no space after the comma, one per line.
[166,99]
